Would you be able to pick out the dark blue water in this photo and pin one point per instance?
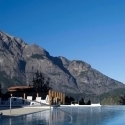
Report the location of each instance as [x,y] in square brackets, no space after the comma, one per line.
[104,115]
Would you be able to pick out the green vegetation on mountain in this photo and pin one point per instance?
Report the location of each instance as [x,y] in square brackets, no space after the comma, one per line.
[113,97]
[37,56]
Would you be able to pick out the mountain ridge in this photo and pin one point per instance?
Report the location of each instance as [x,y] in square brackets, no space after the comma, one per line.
[66,76]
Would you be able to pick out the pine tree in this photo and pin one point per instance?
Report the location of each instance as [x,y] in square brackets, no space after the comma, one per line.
[40,84]
[89,102]
[81,102]
[122,100]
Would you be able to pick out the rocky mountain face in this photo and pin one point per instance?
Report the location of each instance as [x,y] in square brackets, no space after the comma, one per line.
[19,62]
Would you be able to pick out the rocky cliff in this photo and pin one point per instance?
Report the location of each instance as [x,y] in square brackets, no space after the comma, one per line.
[19,61]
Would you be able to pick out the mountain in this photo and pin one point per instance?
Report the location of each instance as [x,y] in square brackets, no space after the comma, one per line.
[19,62]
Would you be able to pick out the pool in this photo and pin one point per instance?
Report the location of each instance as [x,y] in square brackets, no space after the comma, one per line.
[104,115]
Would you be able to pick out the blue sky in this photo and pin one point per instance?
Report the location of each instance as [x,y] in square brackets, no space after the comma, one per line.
[88,30]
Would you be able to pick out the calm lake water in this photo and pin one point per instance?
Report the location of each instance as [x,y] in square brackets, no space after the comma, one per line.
[104,115]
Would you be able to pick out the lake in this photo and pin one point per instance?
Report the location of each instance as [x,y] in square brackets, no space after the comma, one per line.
[103,115]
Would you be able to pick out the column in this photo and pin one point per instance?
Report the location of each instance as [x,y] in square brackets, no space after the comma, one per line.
[24,95]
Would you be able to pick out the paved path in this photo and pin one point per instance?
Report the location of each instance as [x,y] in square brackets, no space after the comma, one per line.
[19,111]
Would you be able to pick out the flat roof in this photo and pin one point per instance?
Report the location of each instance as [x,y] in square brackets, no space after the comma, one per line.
[14,88]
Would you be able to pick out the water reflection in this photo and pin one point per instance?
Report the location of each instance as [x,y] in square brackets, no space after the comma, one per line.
[105,115]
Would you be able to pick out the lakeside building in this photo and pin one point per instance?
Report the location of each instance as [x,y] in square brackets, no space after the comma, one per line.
[50,97]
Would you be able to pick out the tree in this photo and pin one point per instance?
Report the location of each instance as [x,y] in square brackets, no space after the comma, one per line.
[81,102]
[122,100]
[89,102]
[40,84]
[68,100]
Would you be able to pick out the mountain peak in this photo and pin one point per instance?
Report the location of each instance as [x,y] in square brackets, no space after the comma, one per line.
[33,49]
[3,34]
[6,37]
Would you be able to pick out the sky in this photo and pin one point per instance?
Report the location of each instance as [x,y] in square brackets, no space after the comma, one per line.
[89,30]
